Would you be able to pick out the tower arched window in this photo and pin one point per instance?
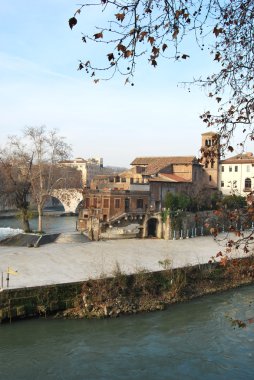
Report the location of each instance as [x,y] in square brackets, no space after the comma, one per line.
[247,183]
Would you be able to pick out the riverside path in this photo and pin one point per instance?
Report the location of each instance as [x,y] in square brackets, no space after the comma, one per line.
[70,262]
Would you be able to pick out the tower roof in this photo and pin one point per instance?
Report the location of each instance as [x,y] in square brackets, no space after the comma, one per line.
[210,134]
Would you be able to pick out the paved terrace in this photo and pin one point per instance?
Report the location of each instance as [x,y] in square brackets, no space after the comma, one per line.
[60,263]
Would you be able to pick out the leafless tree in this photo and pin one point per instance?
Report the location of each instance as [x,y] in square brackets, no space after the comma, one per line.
[15,180]
[31,168]
[47,149]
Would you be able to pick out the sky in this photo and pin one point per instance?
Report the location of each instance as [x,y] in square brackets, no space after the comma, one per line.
[40,85]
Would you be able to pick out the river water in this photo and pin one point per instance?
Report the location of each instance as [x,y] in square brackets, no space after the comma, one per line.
[195,340]
[51,223]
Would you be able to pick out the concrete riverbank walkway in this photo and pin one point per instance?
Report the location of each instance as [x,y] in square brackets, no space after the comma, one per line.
[60,263]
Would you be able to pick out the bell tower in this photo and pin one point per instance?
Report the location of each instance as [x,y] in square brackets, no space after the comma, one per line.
[210,157]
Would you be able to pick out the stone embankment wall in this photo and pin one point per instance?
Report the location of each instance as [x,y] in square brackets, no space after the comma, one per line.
[126,294]
[36,301]
[184,225]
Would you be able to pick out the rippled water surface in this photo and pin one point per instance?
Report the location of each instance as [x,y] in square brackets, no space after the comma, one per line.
[51,224]
[195,340]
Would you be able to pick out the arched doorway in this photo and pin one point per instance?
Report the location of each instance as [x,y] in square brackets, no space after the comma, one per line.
[152,227]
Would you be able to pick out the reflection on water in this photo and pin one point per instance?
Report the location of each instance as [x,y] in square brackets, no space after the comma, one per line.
[51,224]
[188,341]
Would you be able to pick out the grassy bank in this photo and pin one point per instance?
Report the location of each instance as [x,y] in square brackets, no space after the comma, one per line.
[149,291]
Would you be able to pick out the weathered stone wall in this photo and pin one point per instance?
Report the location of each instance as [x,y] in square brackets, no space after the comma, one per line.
[188,224]
[35,301]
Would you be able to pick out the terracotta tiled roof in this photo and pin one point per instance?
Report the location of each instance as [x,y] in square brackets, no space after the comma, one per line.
[155,168]
[157,164]
[128,173]
[165,177]
[244,158]
[210,134]
[164,160]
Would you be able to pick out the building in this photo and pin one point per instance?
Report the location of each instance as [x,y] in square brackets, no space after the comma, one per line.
[89,168]
[236,175]
[113,198]
[139,194]
[170,174]
[142,188]
[210,158]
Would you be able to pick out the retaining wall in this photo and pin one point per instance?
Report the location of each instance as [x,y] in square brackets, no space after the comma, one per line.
[39,300]
[125,294]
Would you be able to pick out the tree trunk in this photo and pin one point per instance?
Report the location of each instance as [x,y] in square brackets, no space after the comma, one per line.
[39,218]
[25,220]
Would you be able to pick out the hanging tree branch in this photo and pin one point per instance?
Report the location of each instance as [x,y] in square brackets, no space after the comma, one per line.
[149,30]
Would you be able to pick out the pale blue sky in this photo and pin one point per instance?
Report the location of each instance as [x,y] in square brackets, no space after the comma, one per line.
[40,85]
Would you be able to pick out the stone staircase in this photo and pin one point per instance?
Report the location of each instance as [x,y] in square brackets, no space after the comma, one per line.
[117,217]
[74,237]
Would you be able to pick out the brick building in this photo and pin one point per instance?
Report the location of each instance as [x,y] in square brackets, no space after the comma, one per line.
[114,198]
[139,194]
[210,158]
[170,174]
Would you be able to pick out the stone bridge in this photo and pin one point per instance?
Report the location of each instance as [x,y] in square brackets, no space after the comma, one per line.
[70,198]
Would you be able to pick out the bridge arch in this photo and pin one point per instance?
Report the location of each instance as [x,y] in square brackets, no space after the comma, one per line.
[70,198]
[53,203]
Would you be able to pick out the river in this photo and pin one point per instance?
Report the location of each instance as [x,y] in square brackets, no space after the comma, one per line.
[195,340]
[51,223]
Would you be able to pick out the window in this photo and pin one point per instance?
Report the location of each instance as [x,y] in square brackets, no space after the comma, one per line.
[140,203]
[157,205]
[117,203]
[248,168]
[95,202]
[222,169]
[236,168]
[212,164]
[105,203]
[247,183]
[87,202]
[210,178]
[222,184]
[123,179]
[140,169]
[230,168]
